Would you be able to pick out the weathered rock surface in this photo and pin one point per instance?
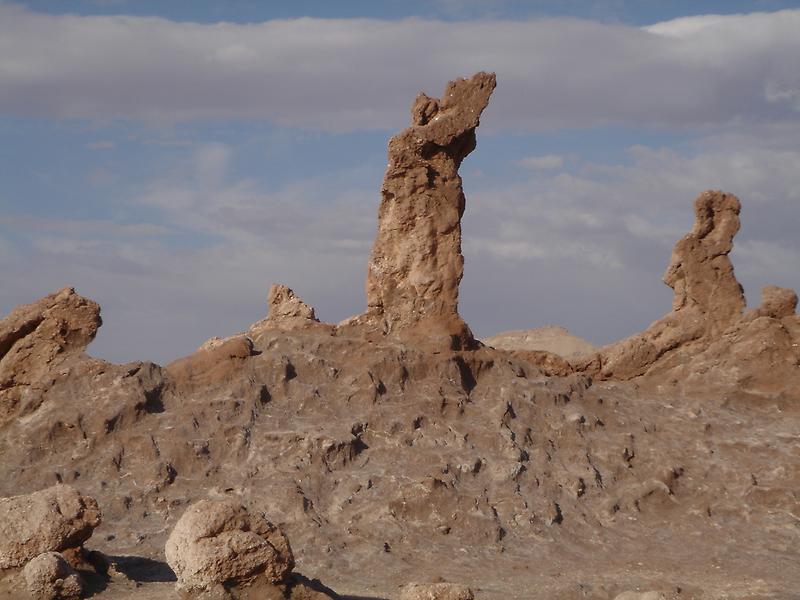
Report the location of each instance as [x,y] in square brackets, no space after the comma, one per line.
[416,263]
[436,591]
[51,520]
[50,577]
[390,460]
[286,311]
[38,339]
[776,302]
[218,543]
[707,297]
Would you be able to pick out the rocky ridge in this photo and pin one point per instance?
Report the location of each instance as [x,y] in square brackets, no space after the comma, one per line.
[388,456]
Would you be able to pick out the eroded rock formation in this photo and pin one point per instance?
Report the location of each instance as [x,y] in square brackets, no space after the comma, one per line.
[37,339]
[707,297]
[416,263]
[219,542]
[54,519]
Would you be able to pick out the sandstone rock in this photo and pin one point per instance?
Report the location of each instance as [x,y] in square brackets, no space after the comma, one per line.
[219,542]
[707,297]
[700,273]
[54,519]
[777,302]
[436,591]
[50,577]
[287,312]
[36,339]
[416,263]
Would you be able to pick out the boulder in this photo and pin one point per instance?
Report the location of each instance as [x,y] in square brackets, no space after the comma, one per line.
[51,520]
[218,543]
[436,591]
[50,577]
[416,264]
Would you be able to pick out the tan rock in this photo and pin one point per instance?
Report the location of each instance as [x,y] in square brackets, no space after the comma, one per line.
[50,577]
[436,591]
[416,263]
[641,596]
[707,297]
[287,312]
[777,302]
[38,338]
[51,520]
[219,542]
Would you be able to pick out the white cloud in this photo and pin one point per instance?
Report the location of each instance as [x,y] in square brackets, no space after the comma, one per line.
[545,162]
[343,74]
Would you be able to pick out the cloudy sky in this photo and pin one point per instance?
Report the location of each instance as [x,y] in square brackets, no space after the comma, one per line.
[172,159]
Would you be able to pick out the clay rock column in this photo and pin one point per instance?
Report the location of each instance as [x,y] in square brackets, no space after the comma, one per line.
[416,263]
[707,296]
[700,272]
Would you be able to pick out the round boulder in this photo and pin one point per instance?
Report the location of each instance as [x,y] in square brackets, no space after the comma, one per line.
[219,542]
[51,520]
[49,577]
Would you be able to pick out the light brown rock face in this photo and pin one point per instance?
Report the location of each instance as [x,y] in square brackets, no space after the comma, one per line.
[50,577]
[51,520]
[416,263]
[708,299]
[287,312]
[219,542]
[436,591]
[35,339]
[777,302]
[700,273]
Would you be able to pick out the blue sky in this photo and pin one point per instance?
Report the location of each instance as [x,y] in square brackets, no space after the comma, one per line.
[172,168]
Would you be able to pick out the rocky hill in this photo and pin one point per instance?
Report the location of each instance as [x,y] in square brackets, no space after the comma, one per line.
[395,448]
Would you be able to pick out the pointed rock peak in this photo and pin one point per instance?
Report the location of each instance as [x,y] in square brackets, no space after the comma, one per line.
[416,263]
[284,303]
[700,273]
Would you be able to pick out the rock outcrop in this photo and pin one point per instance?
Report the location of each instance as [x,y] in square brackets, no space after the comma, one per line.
[286,311]
[707,297]
[416,263]
[776,302]
[51,520]
[50,577]
[218,543]
[37,339]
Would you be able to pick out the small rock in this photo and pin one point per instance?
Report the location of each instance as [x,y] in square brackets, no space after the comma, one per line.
[436,591]
[641,596]
[49,577]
